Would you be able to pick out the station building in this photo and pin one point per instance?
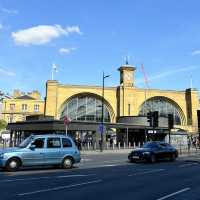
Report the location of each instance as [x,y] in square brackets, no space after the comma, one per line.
[125,108]
[123,104]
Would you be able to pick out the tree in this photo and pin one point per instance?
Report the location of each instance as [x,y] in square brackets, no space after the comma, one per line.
[3,124]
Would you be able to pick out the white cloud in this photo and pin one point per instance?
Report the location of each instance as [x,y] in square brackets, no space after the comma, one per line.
[73,29]
[6,72]
[10,12]
[194,53]
[66,50]
[42,34]
[169,73]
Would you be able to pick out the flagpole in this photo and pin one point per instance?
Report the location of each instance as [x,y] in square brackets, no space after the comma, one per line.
[52,69]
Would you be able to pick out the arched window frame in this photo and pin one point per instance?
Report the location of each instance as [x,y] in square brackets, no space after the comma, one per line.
[151,104]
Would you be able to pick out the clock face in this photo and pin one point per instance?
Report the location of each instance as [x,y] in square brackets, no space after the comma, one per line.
[128,76]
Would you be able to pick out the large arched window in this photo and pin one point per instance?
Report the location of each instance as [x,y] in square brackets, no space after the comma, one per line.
[164,106]
[85,108]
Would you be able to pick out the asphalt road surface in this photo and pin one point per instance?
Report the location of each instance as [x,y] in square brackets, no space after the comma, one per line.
[106,177]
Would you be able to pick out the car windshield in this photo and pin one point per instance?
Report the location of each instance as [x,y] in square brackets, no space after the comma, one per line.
[150,145]
[25,143]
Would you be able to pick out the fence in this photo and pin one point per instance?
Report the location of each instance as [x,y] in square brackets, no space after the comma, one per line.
[181,147]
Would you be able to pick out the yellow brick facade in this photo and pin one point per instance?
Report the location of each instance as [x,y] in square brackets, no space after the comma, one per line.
[118,99]
[14,109]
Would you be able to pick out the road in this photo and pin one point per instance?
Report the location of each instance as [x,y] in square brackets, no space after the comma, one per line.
[106,177]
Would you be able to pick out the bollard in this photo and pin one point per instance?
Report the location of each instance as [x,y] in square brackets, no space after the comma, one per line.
[129,145]
[113,146]
[124,145]
[107,145]
[95,146]
[180,148]
[119,145]
[88,145]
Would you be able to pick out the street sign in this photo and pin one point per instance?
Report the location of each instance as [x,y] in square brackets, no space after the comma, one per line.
[101,128]
[67,120]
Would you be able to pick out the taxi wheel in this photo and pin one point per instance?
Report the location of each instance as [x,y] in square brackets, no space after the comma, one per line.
[67,163]
[12,165]
[173,157]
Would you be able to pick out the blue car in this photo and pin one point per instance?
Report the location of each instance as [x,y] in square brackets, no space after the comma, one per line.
[41,150]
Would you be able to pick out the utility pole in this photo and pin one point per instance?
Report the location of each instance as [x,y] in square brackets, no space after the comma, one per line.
[102,113]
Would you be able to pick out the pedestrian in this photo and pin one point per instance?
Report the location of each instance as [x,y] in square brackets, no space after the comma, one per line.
[189,143]
[79,144]
[111,142]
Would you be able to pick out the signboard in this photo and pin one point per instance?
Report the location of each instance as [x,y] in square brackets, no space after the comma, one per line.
[152,131]
[101,128]
[67,120]
[5,136]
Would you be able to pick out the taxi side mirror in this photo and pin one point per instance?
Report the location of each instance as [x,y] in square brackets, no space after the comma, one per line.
[32,147]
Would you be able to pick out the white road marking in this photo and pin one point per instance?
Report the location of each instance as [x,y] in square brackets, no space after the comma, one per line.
[46,177]
[85,159]
[23,179]
[188,164]
[60,187]
[147,172]
[112,161]
[111,165]
[78,175]
[173,194]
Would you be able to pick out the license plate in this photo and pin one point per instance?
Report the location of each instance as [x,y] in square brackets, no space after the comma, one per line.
[136,157]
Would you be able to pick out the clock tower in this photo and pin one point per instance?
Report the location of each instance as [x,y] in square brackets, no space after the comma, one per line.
[127,75]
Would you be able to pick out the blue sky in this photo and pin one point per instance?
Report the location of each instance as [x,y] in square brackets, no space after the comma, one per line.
[83,38]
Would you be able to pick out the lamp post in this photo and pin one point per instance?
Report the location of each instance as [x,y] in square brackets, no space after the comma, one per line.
[102,113]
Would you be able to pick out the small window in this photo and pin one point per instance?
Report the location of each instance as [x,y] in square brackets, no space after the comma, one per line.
[66,143]
[12,107]
[39,143]
[129,109]
[36,107]
[24,107]
[53,143]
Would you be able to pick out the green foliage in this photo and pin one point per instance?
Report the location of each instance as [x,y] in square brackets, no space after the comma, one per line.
[3,124]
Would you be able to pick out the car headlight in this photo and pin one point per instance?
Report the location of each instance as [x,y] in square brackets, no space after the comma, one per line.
[1,155]
[146,153]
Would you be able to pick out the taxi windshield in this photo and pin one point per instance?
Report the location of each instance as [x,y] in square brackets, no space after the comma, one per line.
[26,142]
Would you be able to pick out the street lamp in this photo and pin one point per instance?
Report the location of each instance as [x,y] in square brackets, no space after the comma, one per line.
[102,113]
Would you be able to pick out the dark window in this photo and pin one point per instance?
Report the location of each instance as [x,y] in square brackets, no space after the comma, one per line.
[66,143]
[39,143]
[150,145]
[129,109]
[53,143]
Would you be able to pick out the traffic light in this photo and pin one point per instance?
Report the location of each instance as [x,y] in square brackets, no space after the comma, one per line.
[170,121]
[155,118]
[150,118]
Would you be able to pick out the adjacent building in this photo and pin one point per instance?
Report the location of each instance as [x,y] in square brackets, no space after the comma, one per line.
[20,105]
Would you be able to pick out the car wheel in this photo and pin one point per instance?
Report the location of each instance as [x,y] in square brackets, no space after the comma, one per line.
[153,159]
[67,163]
[132,161]
[12,165]
[173,157]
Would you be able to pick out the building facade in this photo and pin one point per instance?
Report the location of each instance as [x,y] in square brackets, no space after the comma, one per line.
[21,105]
[84,103]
